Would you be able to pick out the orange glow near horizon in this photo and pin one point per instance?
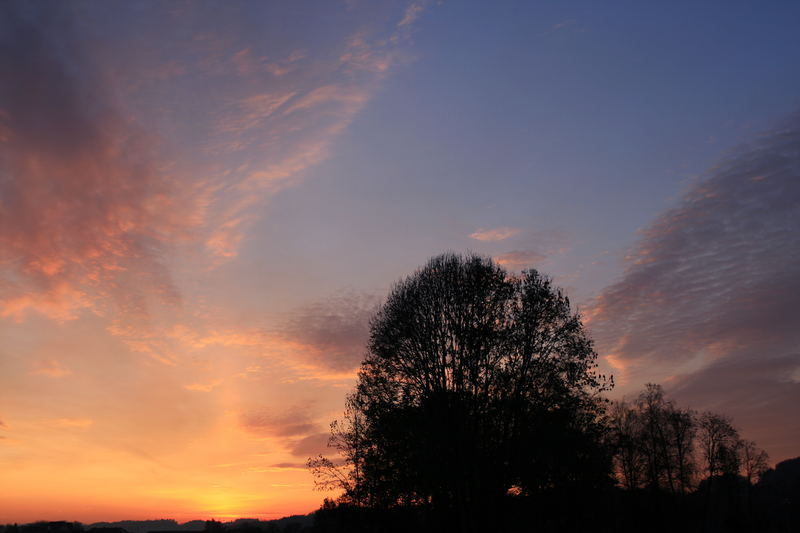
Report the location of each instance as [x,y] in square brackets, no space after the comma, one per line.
[99,483]
[142,375]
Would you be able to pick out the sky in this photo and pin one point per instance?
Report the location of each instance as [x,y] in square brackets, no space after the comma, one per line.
[203,203]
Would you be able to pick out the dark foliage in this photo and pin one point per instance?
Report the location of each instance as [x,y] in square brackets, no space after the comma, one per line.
[732,506]
[477,383]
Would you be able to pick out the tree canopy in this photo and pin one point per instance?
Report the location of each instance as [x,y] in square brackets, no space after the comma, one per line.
[477,382]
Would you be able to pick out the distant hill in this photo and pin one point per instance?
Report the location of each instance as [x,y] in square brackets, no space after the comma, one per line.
[165,525]
[144,526]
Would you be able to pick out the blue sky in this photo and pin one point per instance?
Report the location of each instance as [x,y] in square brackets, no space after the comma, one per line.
[558,118]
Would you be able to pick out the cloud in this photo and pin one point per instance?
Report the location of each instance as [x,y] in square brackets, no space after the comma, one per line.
[292,422]
[535,246]
[412,12]
[494,234]
[133,160]
[349,97]
[709,295]
[520,258]
[333,331]
[203,387]
[290,466]
[563,25]
[311,445]
[277,135]
[102,177]
[229,337]
[251,111]
[84,207]
[765,398]
[52,368]
[76,423]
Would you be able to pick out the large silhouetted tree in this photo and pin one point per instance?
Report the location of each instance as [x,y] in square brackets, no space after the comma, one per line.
[476,382]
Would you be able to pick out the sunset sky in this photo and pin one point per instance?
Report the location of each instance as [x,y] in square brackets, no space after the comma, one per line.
[202,204]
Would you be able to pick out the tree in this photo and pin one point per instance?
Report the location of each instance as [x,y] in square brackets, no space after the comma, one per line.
[719,441]
[754,461]
[667,438]
[663,446]
[626,430]
[654,408]
[476,382]
[682,431]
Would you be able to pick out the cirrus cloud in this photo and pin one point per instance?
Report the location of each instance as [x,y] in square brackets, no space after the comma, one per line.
[85,206]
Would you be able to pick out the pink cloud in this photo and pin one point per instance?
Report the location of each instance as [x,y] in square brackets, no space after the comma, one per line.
[87,206]
[520,258]
[494,234]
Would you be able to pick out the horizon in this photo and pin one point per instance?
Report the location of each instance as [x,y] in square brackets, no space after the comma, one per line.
[202,205]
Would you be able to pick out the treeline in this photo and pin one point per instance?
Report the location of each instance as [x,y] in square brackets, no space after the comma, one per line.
[289,524]
[669,468]
[657,444]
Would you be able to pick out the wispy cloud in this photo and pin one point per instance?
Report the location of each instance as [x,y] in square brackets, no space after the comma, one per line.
[292,422]
[564,24]
[72,423]
[534,246]
[333,331]
[311,446]
[83,202]
[105,183]
[520,258]
[495,234]
[203,387]
[52,368]
[412,12]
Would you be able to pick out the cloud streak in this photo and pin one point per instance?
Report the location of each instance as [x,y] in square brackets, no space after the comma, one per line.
[494,234]
[520,258]
[293,426]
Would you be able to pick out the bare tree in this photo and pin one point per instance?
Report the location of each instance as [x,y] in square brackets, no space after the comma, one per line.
[754,461]
[660,445]
[655,438]
[682,431]
[719,443]
[626,429]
